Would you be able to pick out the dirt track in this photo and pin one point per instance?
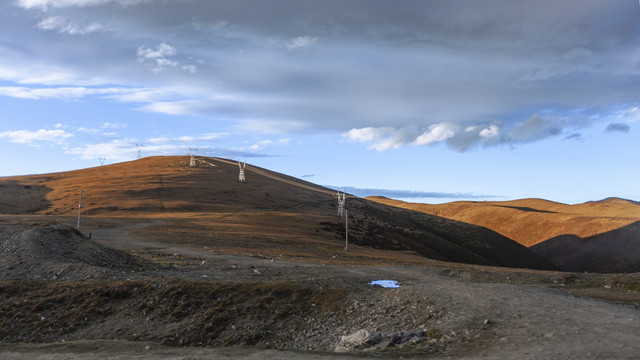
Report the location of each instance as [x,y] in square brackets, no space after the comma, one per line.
[524,322]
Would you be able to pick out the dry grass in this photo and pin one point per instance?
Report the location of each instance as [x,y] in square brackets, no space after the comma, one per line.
[532,221]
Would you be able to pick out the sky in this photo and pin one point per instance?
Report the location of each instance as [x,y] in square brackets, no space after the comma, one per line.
[425,101]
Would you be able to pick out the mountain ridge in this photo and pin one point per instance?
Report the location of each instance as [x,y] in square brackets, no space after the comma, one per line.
[563,234]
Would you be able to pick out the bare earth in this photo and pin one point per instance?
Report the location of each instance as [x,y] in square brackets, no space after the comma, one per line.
[526,318]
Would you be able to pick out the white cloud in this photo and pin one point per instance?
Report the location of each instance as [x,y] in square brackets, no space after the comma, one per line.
[436,133]
[110,125]
[146,95]
[63,26]
[46,4]
[383,138]
[186,107]
[30,72]
[260,145]
[160,56]
[85,130]
[31,137]
[62,93]
[67,93]
[126,149]
[301,41]
[368,134]
[629,115]
[115,150]
[187,139]
[136,95]
[490,132]
[191,69]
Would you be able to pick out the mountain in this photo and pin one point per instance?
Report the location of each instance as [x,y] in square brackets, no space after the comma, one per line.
[207,205]
[532,221]
[598,236]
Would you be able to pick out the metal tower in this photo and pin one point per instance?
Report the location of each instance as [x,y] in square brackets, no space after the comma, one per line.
[139,148]
[192,154]
[342,199]
[241,177]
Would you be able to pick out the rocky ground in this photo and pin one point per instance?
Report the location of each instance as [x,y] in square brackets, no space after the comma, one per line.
[137,299]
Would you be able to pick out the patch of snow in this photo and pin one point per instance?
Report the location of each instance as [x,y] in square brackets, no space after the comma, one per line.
[385,283]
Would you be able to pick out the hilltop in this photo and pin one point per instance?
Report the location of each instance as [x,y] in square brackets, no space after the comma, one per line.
[598,236]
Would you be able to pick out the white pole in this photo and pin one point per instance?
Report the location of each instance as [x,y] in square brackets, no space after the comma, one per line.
[346,229]
[79,210]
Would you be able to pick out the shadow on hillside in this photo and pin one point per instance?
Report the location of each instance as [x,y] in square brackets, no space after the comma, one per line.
[390,228]
[528,209]
[616,251]
[20,198]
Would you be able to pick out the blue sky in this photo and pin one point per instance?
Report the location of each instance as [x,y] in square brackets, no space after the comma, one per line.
[423,100]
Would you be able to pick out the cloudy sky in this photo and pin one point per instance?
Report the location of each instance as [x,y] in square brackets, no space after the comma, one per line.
[426,100]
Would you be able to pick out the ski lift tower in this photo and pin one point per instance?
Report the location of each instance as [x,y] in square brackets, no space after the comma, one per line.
[139,148]
[241,177]
[192,154]
[342,199]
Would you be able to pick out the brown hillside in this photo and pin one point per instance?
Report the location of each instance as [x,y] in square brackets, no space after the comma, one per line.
[271,214]
[532,221]
[610,252]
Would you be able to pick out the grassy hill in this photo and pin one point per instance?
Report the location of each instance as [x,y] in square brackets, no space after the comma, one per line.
[271,213]
[597,236]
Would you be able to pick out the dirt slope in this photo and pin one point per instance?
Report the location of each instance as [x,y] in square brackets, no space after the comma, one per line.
[269,210]
[60,252]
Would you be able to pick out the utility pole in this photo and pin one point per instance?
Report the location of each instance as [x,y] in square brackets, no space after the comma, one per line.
[79,210]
